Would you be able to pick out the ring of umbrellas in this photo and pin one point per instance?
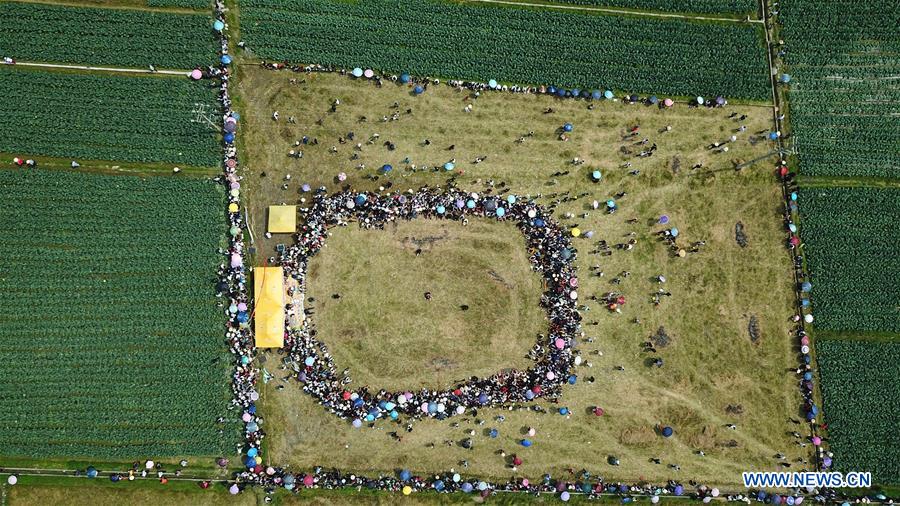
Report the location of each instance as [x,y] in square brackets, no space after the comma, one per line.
[550,253]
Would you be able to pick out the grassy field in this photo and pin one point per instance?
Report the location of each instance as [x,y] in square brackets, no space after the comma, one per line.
[386,331]
[714,374]
[111,338]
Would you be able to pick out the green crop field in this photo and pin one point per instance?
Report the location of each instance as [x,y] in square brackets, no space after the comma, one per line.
[511,44]
[704,6]
[98,36]
[110,336]
[850,242]
[862,398]
[845,98]
[106,117]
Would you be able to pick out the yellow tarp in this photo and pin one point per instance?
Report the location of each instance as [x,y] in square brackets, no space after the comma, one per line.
[282,219]
[268,313]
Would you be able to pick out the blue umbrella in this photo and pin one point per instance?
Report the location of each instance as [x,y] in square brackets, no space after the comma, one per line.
[91,472]
[418,89]
[500,212]
[439,485]
[678,490]
[360,199]
[596,175]
[252,452]
[226,60]
[526,443]
[804,302]
[674,232]
[576,92]
[404,78]
[405,475]
[539,223]
[700,100]
[386,168]
[529,394]
[218,26]
[610,203]
[663,219]
[243,317]
[785,78]
[773,136]
[806,286]
[483,398]
[466,487]
[440,209]
[470,204]
[449,166]
[573,379]
[608,94]
[551,90]
[492,83]
[560,92]
[667,431]
[807,376]
[564,411]
[229,137]
[511,199]
[596,94]
[357,72]
[310,361]
[567,127]
[654,100]
[494,433]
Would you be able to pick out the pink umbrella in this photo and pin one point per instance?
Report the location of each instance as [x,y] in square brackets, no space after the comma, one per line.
[560,344]
[246,417]
[242,307]
[573,282]
[525,482]
[235,186]
[233,490]
[342,177]
[254,396]
[816,440]
[308,480]
[230,163]
[804,340]
[369,73]
[196,74]
[236,261]
[668,102]
[551,375]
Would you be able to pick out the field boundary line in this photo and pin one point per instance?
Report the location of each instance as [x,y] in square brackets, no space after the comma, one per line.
[100,69]
[608,10]
[88,5]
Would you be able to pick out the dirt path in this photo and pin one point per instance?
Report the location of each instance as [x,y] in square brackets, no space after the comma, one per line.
[103,69]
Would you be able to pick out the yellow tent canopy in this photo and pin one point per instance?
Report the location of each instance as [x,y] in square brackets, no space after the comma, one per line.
[268,317]
[282,219]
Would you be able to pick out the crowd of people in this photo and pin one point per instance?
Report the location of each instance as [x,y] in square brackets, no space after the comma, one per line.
[550,252]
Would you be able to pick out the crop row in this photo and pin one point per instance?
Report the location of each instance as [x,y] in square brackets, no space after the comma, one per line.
[185,4]
[702,6]
[861,401]
[106,117]
[533,46]
[851,238]
[111,339]
[97,36]
[843,58]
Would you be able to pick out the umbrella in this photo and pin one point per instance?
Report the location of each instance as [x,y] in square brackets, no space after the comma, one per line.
[357,72]
[196,74]
[404,78]
[674,232]
[773,136]
[470,204]
[369,73]
[526,443]
[418,90]
[511,199]
[663,219]
[449,166]
[598,411]
[439,485]
[808,318]
[576,232]
[567,127]
[308,480]
[720,100]
[785,78]
[653,99]
[386,168]
[608,95]
[233,489]
[596,94]
[405,475]
[466,487]
[668,102]
[596,175]
[229,137]
[564,496]
[559,343]
[492,83]
[226,60]
[230,127]
[407,490]
[12,479]
[91,472]
[357,423]
[654,499]
[667,431]
[440,209]
[700,100]
[500,212]
[218,26]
